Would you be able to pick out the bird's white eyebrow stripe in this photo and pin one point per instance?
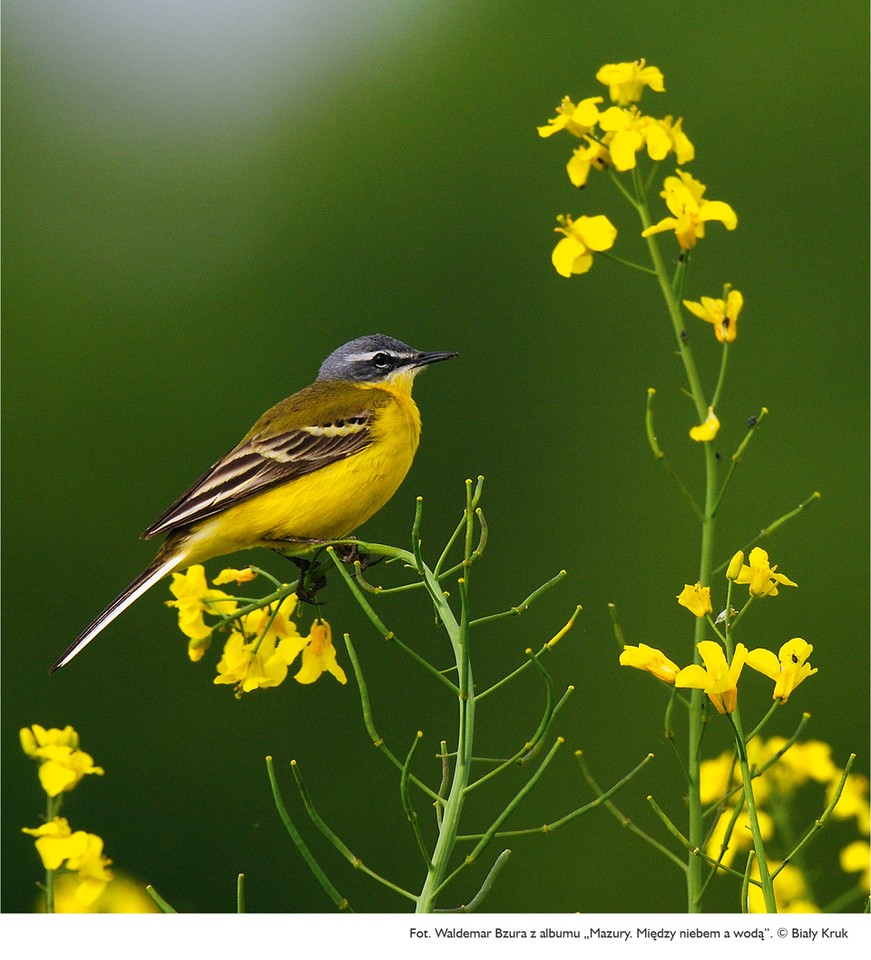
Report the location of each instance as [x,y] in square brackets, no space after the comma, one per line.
[358,357]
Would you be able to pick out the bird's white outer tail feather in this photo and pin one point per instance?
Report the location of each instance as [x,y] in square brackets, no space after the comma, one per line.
[145,581]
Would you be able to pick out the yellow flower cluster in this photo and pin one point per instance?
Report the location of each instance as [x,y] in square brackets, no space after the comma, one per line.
[62,765]
[612,138]
[623,131]
[121,894]
[783,770]
[717,675]
[262,643]
[79,852]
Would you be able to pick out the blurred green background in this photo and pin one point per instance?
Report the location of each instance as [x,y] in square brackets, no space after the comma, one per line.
[202,200]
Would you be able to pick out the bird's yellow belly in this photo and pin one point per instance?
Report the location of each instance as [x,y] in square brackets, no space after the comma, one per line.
[327,504]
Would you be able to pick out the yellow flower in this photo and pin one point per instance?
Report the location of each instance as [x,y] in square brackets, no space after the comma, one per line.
[194,598]
[583,159]
[650,659]
[626,81]
[232,575]
[62,769]
[723,314]
[120,895]
[273,620]
[715,778]
[258,664]
[320,655]
[718,678]
[61,764]
[705,432]
[627,131]
[810,760]
[787,670]
[800,763]
[574,253]
[761,577]
[577,119]
[735,564]
[684,197]
[856,858]
[853,801]
[91,867]
[34,738]
[696,598]
[790,890]
[683,149]
[55,842]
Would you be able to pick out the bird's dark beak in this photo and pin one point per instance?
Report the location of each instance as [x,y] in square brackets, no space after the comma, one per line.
[424,359]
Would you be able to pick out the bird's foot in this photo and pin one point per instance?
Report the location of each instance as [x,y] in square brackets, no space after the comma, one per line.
[351,553]
[305,590]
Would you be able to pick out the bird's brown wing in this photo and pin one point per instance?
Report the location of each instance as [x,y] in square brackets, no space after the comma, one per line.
[263,460]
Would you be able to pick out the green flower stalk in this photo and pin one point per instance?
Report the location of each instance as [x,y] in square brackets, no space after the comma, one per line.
[614,141]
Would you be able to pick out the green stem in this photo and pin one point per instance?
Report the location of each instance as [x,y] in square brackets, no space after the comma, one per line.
[669,287]
[458,632]
[52,810]
[673,304]
[721,379]
[158,899]
[750,803]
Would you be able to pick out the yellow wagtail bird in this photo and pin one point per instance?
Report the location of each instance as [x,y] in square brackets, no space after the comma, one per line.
[311,469]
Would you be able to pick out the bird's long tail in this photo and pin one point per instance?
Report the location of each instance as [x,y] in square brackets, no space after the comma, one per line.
[159,567]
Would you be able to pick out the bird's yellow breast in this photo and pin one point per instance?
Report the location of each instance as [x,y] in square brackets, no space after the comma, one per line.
[329,503]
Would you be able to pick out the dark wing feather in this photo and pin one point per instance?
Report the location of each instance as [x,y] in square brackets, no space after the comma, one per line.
[264,460]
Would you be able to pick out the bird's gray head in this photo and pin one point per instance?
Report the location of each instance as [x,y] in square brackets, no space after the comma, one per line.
[376,358]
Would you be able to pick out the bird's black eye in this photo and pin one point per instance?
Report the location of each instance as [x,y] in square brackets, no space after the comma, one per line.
[381,360]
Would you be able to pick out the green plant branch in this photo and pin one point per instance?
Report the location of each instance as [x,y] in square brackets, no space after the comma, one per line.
[767,531]
[407,804]
[696,853]
[377,739]
[622,819]
[521,607]
[491,832]
[574,814]
[338,900]
[627,263]
[445,781]
[823,819]
[485,888]
[528,663]
[337,842]
[737,456]
[438,873]
[377,622]
[158,899]
[659,455]
[529,749]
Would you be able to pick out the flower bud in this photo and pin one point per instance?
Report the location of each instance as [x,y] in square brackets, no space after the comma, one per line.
[735,565]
